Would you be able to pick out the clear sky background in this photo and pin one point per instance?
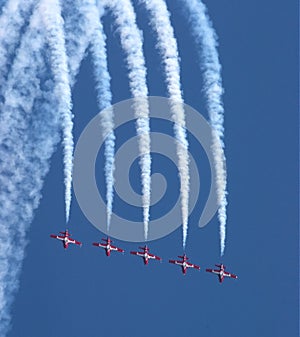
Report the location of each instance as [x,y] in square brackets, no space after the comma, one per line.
[81,293]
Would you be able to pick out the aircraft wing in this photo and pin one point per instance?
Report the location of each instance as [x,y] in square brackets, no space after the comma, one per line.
[117,249]
[135,253]
[229,275]
[152,256]
[59,237]
[99,244]
[191,265]
[78,243]
[175,262]
[75,242]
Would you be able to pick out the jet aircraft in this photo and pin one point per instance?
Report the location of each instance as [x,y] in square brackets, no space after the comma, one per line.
[66,239]
[146,255]
[184,264]
[107,246]
[221,272]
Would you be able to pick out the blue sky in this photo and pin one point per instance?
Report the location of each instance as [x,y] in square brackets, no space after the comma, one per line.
[80,292]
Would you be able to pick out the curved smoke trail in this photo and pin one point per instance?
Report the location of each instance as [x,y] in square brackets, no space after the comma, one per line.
[167,46]
[205,36]
[29,133]
[79,26]
[27,143]
[104,97]
[51,14]
[14,16]
[131,41]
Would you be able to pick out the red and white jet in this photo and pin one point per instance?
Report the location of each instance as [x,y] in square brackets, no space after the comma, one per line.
[107,246]
[66,239]
[221,272]
[146,255]
[184,264]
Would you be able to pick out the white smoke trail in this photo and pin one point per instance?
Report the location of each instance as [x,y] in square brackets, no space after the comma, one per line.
[131,41]
[167,46]
[25,148]
[104,97]
[205,36]
[79,24]
[51,13]
[29,132]
[82,26]
[13,17]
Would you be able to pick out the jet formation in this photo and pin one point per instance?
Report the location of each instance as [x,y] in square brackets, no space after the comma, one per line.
[144,253]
